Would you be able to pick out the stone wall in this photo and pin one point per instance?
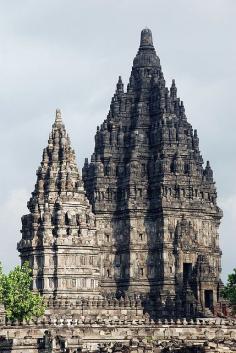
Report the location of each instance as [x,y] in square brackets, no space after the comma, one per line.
[143,335]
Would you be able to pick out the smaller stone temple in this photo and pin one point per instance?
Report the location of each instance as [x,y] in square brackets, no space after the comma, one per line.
[59,236]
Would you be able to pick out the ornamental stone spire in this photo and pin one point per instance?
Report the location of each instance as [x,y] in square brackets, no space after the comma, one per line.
[59,236]
[155,199]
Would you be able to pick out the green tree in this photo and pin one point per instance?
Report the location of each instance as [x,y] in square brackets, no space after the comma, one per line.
[1,282]
[20,302]
[229,291]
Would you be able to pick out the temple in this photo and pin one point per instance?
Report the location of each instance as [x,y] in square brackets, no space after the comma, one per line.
[59,235]
[127,254]
[153,197]
[146,220]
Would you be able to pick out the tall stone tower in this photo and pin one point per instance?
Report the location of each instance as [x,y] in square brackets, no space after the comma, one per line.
[59,234]
[154,200]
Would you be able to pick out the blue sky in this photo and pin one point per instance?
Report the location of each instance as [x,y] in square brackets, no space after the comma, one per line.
[69,54]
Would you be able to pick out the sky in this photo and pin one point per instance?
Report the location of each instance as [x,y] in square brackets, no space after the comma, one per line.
[68,54]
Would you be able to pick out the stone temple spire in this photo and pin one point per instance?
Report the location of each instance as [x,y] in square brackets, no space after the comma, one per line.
[152,195]
[58,172]
[60,231]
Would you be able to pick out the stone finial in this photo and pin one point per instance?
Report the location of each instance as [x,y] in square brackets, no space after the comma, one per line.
[146,39]
[119,86]
[146,56]
[208,172]
[173,90]
[182,110]
[58,119]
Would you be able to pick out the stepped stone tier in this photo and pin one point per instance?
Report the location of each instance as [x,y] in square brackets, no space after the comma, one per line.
[127,259]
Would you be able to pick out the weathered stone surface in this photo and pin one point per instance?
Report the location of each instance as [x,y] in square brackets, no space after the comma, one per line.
[59,235]
[96,337]
[154,200]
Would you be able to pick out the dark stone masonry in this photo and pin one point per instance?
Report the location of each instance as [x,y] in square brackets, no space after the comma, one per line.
[127,256]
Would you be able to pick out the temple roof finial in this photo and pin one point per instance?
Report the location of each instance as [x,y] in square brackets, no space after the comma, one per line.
[119,86]
[146,55]
[58,119]
[146,38]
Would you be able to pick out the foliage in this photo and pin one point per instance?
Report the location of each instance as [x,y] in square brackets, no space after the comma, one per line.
[1,281]
[229,291]
[20,302]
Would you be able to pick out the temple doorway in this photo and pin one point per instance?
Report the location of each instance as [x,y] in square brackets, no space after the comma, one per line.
[208,298]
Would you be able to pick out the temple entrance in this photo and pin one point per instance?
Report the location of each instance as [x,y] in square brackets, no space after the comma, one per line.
[208,298]
[187,271]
